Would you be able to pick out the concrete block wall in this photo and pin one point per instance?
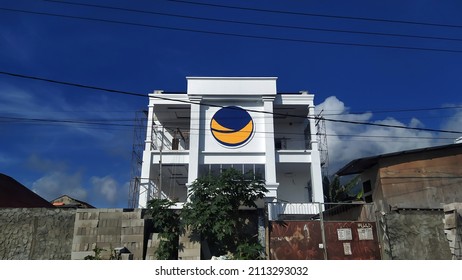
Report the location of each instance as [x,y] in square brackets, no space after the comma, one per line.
[153,244]
[64,234]
[189,250]
[36,233]
[453,228]
[190,247]
[108,229]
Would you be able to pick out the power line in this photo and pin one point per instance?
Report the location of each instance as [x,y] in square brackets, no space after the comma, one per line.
[256,23]
[220,106]
[89,122]
[71,84]
[318,15]
[397,110]
[236,34]
[63,121]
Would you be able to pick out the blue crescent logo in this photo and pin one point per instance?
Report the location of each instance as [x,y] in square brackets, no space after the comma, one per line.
[232,126]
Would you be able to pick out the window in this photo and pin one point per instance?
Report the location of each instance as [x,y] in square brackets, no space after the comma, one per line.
[175,143]
[367,191]
[280,143]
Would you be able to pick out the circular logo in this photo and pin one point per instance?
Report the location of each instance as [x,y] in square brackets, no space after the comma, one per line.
[232,126]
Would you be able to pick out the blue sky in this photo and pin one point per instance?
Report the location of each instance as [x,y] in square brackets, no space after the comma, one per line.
[403,80]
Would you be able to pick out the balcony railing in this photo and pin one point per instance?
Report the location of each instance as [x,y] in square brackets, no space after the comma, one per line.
[170,139]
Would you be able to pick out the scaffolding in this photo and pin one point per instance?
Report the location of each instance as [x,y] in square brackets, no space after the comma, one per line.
[322,140]
[139,136]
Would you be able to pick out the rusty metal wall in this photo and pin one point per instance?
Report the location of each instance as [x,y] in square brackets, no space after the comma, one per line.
[295,240]
[303,240]
[351,241]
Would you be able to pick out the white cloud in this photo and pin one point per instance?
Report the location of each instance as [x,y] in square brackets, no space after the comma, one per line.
[453,123]
[108,190]
[106,187]
[100,191]
[347,142]
[55,184]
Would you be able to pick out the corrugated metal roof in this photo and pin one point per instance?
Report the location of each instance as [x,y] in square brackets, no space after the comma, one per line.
[66,201]
[15,195]
[359,165]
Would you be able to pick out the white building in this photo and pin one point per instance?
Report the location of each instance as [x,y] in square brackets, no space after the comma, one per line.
[239,122]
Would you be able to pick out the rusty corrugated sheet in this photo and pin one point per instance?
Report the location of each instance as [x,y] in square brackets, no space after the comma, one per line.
[351,241]
[297,240]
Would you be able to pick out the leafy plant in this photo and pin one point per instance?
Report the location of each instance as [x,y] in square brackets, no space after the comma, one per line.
[97,255]
[334,191]
[167,223]
[250,250]
[212,211]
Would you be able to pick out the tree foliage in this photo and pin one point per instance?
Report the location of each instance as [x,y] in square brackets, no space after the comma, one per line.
[212,211]
[334,191]
[167,223]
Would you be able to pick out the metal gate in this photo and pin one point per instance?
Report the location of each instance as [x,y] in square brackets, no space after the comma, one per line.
[325,236]
[298,240]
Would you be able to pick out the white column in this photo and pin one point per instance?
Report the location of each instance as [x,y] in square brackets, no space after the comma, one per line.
[270,165]
[145,186]
[194,140]
[316,173]
[150,123]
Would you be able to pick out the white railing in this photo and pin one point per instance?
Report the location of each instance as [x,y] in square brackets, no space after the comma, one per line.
[170,139]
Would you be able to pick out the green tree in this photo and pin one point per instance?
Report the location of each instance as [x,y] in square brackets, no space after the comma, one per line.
[212,212]
[167,224]
[334,191]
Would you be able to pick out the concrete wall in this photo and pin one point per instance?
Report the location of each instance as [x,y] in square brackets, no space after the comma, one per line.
[108,229]
[453,228]
[64,234]
[414,235]
[36,233]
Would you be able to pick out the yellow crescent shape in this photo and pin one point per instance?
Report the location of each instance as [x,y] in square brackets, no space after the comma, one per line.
[234,138]
[218,127]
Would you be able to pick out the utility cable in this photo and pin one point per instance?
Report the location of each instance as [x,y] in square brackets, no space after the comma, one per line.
[317,15]
[235,34]
[62,121]
[156,96]
[255,23]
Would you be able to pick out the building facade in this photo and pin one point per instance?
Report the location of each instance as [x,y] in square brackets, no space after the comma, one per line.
[231,122]
[426,178]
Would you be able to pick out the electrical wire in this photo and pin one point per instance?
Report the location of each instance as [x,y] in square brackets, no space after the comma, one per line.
[255,23]
[63,121]
[92,123]
[318,15]
[236,34]
[156,96]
